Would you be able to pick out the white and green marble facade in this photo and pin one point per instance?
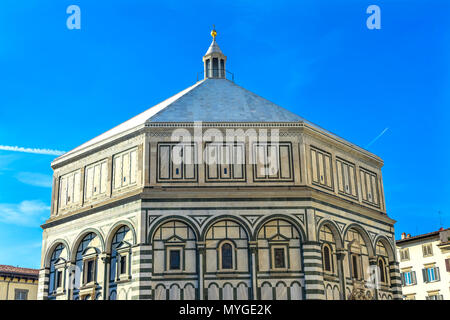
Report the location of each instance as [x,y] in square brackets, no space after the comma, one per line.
[253,215]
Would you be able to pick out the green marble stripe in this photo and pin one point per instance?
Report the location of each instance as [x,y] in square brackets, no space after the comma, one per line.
[314,291]
[141,288]
[312,250]
[318,265]
[314,282]
[312,258]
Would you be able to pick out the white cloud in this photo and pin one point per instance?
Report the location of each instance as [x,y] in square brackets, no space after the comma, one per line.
[29,213]
[32,150]
[35,179]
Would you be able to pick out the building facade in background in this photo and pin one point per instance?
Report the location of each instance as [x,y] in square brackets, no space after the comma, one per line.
[284,210]
[18,283]
[425,265]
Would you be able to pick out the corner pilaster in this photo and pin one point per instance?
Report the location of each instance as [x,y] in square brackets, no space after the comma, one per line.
[312,262]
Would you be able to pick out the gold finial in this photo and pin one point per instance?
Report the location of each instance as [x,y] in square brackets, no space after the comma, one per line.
[214,32]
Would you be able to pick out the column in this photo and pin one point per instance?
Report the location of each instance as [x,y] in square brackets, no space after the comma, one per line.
[71,274]
[374,276]
[312,261]
[396,281]
[141,271]
[201,267]
[106,259]
[340,255]
[43,283]
[253,245]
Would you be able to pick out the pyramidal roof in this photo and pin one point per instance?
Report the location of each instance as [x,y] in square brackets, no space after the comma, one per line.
[214,47]
[219,100]
[209,100]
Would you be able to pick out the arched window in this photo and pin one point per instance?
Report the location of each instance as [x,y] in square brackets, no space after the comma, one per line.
[358,252]
[177,246]
[382,254]
[226,240]
[275,240]
[57,269]
[86,259]
[227,256]
[355,264]
[327,258]
[120,254]
[327,238]
[382,270]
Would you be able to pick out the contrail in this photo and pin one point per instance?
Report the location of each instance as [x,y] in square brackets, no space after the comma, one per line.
[32,150]
[377,137]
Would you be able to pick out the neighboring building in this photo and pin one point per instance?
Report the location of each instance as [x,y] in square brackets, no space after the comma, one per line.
[127,222]
[425,265]
[18,283]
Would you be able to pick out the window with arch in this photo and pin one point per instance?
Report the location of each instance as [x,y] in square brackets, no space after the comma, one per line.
[174,246]
[382,270]
[227,247]
[86,260]
[327,258]
[279,246]
[355,266]
[327,239]
[226,254]
[57,270]
[121,255]
[356,246]
[382,255]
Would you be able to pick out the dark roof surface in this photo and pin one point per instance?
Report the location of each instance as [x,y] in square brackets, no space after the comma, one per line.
[19,270]
[421,236]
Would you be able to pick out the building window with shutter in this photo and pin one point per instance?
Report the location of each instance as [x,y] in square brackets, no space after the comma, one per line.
[427,250]
[431,274]
[409,278]
[447,264]
[435,296]
[404,254]
[20,294]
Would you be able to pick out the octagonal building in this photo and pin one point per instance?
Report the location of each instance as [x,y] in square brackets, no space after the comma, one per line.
[287,210]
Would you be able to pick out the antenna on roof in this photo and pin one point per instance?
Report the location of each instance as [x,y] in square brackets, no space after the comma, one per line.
[440,218]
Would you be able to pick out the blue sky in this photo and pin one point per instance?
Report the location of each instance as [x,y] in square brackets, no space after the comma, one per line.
[60,87]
